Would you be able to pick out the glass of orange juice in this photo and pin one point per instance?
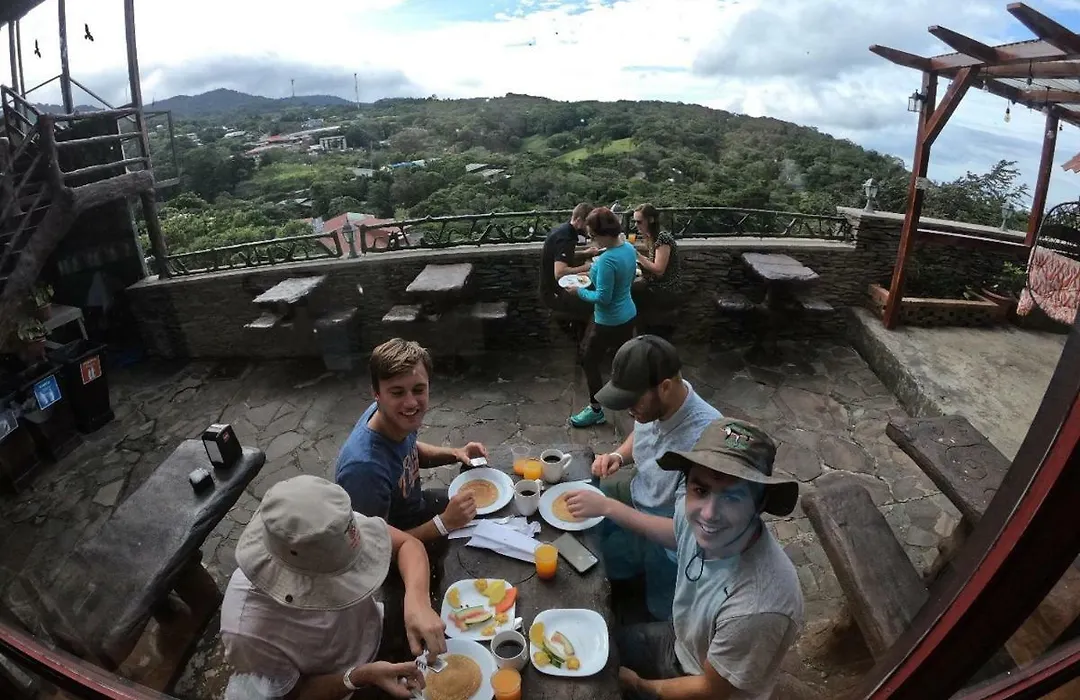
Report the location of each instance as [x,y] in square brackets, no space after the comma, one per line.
[521,453]
[547,560]
[534,469]
[506,682]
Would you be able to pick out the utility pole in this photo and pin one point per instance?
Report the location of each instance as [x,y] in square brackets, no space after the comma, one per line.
[292,84]
[356,86]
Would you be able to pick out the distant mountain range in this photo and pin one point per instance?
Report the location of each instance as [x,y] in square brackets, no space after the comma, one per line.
[222,101]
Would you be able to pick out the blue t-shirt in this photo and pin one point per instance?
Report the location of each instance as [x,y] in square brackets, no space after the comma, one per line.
[382,477]
[612,273]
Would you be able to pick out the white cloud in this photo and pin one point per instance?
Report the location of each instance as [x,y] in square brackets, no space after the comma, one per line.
[806,61]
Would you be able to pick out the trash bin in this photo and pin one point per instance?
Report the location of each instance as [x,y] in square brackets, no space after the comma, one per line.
[46,411]
[82,375]
[18,454]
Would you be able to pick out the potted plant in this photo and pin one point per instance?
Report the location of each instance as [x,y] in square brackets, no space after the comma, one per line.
[32,332]
[42,296]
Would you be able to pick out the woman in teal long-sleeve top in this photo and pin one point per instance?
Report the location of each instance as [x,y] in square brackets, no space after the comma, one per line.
[612,274]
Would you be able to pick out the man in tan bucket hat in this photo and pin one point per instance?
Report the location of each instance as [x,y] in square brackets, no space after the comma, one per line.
[738,606]
[299,613]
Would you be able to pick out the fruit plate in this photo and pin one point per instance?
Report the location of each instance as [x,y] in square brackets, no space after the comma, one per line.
[502,482]
[547,503]
[483,659]
[587,632]
[471,597]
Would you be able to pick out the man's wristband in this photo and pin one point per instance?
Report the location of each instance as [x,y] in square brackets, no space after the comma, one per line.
[347,680]
[622,460]
[440,526]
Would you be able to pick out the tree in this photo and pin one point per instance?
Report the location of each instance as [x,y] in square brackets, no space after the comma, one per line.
[341,205]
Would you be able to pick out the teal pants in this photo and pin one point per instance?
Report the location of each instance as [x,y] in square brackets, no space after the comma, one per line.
[628,555]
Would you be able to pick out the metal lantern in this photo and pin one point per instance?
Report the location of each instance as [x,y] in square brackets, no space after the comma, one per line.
[870,189]
[913,101]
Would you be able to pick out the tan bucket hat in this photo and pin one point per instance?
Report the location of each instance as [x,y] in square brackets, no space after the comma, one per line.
[742,450]
[307,549]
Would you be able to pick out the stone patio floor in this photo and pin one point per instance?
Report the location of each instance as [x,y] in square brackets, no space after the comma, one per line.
[823,404]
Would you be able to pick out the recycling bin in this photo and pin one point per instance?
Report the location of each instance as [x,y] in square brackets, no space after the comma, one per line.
[81,366]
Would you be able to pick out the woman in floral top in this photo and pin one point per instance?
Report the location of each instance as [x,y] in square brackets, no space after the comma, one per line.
[660,263]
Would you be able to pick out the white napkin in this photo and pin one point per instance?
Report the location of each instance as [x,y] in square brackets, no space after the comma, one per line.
[504,540]
[518,524]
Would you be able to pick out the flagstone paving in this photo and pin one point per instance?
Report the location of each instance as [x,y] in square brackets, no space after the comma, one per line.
[823,404]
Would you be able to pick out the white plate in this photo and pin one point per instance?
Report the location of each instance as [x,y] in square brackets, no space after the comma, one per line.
[553,492]
[483,659]
[501,480]
[580,280]
[471,597]
[585,629]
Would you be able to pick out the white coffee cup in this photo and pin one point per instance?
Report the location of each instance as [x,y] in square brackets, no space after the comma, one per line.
[555,463]
[527,504]
[517,662]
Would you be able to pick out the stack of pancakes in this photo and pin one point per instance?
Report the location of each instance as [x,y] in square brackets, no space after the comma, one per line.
[458,681]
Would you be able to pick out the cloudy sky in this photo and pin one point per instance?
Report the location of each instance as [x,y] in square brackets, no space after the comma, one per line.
[806,61]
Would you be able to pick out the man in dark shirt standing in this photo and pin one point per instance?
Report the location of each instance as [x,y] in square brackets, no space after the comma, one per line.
[557,260]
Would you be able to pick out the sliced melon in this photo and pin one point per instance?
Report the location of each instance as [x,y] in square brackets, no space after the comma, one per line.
[560,639]
[474,615]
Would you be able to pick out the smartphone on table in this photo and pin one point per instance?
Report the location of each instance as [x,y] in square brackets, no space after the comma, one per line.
[575,553]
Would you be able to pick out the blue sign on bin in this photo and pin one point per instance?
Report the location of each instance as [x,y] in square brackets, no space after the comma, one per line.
[47,392]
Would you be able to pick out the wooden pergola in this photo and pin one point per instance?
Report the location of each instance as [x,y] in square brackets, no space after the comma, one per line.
[1043,74]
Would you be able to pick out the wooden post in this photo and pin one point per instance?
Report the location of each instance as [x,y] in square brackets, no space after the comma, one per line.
[13,57]
[21,87]
[172,144]
[1042,184]
[65,65]
[149,203]
[919,166]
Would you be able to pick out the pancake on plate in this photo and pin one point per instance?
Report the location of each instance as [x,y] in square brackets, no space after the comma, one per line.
[484,492]
[561,511]
[458,681]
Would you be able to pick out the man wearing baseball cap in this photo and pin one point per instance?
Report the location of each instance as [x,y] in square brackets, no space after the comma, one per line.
[299,615]
[738,606]
[646,380]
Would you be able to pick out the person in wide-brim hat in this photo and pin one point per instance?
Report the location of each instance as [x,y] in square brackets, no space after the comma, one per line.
[738,606]
[299,613]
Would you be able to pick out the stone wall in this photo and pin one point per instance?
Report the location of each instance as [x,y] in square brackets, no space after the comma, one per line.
[204,315]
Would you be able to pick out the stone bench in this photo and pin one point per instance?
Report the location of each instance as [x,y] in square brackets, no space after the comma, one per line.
[814,305]
[105,593]
[735,304]
[880,583]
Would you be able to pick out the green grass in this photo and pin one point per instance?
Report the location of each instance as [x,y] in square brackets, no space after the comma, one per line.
[534,143]
[615,147]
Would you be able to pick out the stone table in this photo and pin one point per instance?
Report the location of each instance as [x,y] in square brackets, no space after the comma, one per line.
[436,283]
[784,278]
[568,590]
[110,586]
[289,292]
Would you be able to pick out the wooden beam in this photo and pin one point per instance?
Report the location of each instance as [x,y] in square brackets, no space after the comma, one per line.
[1019,96]
[1042,182]
[966,45]
[1045,28]
[65,64]
[1032,52]
[1048,97]
[916,191]
[957,89]
[1050,69]
[901,58]
[21,87]
[13,57]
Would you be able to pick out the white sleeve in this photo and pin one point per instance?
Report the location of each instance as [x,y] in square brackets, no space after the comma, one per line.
[261,669]
[747,650]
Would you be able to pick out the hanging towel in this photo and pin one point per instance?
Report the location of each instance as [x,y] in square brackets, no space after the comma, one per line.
[1053,285]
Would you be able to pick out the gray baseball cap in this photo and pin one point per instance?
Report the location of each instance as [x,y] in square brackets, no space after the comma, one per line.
[642,363]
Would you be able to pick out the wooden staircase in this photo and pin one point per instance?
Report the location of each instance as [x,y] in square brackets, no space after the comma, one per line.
[39,202]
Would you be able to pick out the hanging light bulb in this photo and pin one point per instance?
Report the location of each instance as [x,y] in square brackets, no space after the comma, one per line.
[1008,114]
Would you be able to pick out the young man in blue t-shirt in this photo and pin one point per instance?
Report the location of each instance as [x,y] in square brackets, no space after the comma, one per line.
[379,464]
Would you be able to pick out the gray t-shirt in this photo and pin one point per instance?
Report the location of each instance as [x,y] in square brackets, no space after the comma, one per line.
[653,488]
[741,615]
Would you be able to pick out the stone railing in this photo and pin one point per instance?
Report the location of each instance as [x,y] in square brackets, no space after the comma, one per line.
[279,251]
[522,227]
[500,227]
